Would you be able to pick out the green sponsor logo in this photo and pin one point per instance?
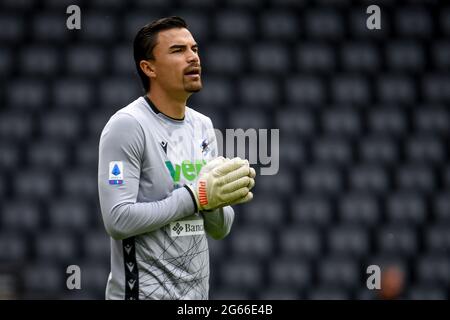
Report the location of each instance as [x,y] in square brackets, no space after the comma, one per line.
[188,169]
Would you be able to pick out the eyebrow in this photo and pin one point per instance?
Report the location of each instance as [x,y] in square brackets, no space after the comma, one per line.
[181,46]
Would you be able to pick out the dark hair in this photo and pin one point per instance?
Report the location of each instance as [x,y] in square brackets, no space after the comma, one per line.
[145,41]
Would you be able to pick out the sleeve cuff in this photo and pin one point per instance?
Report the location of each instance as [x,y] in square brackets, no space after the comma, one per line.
[193,198]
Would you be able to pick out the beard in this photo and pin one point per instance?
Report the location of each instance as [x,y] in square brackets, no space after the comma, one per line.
[193,86]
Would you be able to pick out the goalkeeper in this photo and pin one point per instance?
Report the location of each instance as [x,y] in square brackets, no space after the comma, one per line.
[162,187]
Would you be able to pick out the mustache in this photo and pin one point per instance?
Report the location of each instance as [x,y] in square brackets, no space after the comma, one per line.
[196,68]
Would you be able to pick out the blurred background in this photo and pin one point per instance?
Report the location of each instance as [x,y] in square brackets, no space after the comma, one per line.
[364,121]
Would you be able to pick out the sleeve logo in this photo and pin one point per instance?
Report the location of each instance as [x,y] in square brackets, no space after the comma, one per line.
[116,172]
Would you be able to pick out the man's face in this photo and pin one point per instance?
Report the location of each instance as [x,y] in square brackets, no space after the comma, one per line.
[177,64]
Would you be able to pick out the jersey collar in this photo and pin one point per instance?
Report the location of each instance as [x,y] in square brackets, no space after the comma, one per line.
[156,111]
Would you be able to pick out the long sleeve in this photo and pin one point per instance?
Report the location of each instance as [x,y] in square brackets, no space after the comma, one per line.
[120,158]
[218,222]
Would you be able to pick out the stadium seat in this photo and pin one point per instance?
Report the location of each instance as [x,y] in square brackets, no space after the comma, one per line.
[436,88]
[72,93]
[36,97]
[431,119]
[348,240]
[441,206]
[378,149]
[406,208]
[234,25]
[218,92]
[393,88]
[416,178]
[350,89]
[397,240]
[266,213]
[332,150]
[6,59]
[47,27]
[56,246]
[94,276]
[391,121]
[321,178]
[441,54]
[39,60]
[278,24]
[359,208]
[60,126]
[305,90]
[13,248]
[98,27]
[425,148]
[12,28]
[87,60]
[251,240]
[311,209]
[25,5]
[315,57]
[241,274]
[217,250]
[280,184]
[296,122]
[9,156]
[341,122]
[86,153]
[44,280]
[302,242]
[69,214]
[47,154]
[323,24]
[413,22]
[198,21]
[34,183]
[21,215]
[122,62]
[362,57]
[434,269]
[223,59]
[80,183]
[116,93]
[335,271]
[369,178]
[277,54]
[290,273]
[250,119]
[405,56]
[261,90]
[437,238]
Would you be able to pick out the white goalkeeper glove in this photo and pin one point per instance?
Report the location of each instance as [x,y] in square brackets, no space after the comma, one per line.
[223,182]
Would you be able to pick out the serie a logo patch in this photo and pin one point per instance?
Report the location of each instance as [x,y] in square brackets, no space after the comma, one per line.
[116,172]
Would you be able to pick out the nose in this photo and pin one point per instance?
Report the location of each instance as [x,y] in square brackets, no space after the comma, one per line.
[193,57]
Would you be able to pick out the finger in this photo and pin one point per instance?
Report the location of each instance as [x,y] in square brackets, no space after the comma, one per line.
[213,163]
[251,184]
[252,173]
[235,195]
[247,198]
[228,166]
[234,175]
[236,184]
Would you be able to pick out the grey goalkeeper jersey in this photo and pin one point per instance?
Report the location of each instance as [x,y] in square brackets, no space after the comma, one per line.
[159,248]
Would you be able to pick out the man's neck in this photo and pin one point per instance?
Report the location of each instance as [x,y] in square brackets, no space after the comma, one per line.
[170,106]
